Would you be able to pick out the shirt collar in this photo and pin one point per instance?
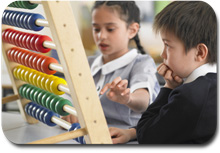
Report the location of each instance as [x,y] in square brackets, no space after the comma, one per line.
[201,71]
[113,65]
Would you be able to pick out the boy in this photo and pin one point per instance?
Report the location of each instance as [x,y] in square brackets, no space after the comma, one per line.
[185,110]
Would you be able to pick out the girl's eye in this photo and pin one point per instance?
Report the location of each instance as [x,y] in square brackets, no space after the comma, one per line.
[96,29]
[110,29]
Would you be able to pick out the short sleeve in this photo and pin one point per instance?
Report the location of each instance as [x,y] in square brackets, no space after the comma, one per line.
[143,75]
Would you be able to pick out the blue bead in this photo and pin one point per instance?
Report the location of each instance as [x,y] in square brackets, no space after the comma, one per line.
[31,22]
[22,19]
[76,126]
[47,118]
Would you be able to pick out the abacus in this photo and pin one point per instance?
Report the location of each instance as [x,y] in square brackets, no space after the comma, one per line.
[31,73]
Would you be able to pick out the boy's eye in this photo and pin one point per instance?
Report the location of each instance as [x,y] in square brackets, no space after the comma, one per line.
[110,29]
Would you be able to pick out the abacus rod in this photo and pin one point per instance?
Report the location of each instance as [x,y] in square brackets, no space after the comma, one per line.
[42,22]
[63,88]
[61,122]
[62,137]
[56,67]
[49,44]
[35,2]
[70,109]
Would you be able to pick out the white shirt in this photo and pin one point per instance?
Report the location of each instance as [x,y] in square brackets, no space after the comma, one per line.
[201,71]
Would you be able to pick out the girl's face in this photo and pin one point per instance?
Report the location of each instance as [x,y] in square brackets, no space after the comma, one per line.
[110,33]
[175,57]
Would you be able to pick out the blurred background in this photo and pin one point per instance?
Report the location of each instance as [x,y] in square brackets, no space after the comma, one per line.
[82,12]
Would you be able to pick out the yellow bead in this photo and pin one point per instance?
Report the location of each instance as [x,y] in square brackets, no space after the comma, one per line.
[48,81]
[54,86]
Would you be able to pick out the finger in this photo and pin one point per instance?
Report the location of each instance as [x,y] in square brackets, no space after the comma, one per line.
[115,82]
[105,88]
[160,66]
[162,71]
[168,75]
[178,79]
[123,84]
[126,92]
[116,140]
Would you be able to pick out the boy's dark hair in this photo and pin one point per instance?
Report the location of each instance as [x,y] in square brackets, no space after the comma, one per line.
[128,11]
[193,22]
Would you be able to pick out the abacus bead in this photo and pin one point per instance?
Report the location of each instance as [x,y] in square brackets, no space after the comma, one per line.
[39,43]
[23,91]
[34,78]
[47,118]
[48,81]
[34,61]
[39,78]
[43,79]
[30,76]
[59,107]
[37,113]
[43,99]
[31,22]
[32,42]
[28,5]
[30,59]
[39,97]
[35,96]
[15,72]
[53,103]
[27,92]
[49,99]
[28,40]
[45,65]
[54,86]
[41,114]
[22,72]
[76,126]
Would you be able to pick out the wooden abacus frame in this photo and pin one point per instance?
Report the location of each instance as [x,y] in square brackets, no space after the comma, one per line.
[77,74]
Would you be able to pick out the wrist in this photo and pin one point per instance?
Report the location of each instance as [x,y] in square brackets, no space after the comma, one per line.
[131,133]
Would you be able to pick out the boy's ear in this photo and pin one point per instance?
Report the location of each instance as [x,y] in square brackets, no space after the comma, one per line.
[202,52]
[133,29]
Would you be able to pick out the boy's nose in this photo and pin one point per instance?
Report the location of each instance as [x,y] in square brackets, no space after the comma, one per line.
[163,54]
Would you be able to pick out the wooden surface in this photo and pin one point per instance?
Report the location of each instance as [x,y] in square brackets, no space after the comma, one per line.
[76,70]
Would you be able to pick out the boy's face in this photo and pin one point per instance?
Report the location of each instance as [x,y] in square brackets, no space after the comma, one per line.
[175,57]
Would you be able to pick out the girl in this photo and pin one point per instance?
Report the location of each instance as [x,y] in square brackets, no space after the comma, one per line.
[127,75]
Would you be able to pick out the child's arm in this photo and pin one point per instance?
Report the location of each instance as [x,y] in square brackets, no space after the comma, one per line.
[138,100]
[122,135]
[171,80]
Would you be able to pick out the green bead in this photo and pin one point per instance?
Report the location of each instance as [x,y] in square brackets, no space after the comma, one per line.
[53,103]
[59,107]
[44,97]
[36,93]
[29,5]
[49,99]
[39,97]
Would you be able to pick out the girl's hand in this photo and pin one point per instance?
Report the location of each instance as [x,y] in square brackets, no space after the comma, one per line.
[118,91]
[171,80]
[122,135]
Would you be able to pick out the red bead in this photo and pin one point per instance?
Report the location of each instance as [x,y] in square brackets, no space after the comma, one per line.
[39,43]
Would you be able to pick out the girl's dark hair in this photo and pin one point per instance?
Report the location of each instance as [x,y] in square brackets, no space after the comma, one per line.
[193,22]
[128,11]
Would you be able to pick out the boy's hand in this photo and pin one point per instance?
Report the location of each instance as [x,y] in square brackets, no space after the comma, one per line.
[118,91]
[171,80]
